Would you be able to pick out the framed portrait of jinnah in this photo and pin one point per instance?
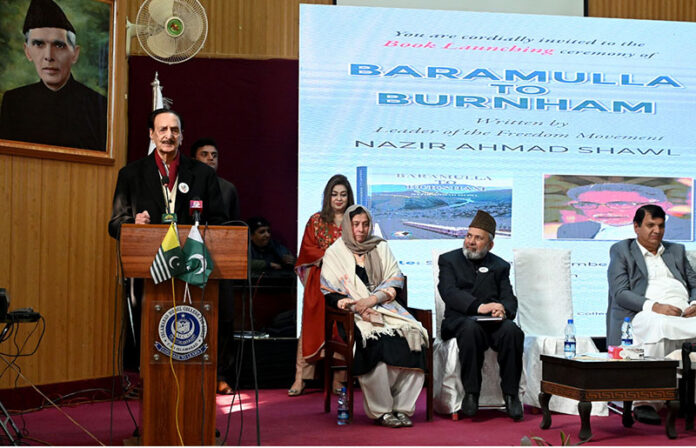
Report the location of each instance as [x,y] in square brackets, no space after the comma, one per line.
[55,78]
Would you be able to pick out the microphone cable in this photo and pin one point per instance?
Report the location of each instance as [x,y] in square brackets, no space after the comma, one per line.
[33,386]
[201,309]
[240,353]
[121,342]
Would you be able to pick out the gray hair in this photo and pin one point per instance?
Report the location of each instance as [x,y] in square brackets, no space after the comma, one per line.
[70,36]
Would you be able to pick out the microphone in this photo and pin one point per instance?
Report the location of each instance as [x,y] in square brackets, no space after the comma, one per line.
[195,208]
[165,183]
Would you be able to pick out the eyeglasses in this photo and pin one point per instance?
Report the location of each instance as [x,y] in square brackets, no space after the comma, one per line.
[617,205]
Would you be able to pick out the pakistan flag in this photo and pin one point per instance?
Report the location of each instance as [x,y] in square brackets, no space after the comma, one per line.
[199,265]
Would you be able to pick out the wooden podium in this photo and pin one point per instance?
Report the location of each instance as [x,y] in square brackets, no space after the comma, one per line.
[195,370]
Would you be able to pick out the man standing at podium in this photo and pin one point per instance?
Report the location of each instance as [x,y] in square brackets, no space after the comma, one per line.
[157,188]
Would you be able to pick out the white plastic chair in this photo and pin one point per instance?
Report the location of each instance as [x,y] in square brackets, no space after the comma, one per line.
[448,389]
[545,303]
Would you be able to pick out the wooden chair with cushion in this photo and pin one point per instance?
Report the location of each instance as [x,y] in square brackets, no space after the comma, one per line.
[344,347]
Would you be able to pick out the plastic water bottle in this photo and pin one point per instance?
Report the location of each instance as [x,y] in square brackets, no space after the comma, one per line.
[343,412]
[626,332]
[569,344]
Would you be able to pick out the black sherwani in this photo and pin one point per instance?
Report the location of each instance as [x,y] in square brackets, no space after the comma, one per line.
[74,116]
[463,286]
[139,188]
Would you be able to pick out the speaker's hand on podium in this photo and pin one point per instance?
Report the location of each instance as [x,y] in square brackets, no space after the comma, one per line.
[142,218]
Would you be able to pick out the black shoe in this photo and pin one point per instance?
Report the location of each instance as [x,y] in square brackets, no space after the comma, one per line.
[646,414]
[470,404]
[513,407]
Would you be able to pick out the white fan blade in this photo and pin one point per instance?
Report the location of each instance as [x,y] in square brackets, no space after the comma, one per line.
[161,10]
[193,24]
[161,44]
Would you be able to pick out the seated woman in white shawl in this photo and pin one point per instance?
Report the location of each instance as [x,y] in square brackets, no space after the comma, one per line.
[360,273]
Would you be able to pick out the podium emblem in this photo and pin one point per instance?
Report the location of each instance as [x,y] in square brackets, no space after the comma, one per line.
[190,328]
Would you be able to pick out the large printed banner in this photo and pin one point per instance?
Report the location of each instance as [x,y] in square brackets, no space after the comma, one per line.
[560,127]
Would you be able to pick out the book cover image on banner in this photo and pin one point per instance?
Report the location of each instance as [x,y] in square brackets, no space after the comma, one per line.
[434,114]
[419,205]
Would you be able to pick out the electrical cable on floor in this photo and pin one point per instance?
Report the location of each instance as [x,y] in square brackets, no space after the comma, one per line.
[60,398]
[253,366]
[113,364]
[239,355]
[122,337]
[171,367]
[34,439]
[237,373]
[20,374]
[238,368]
[200,310]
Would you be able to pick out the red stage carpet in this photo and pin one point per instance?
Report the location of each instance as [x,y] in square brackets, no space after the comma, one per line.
[301,421]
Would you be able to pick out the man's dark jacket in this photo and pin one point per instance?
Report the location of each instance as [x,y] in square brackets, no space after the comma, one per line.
[465,285]
[139,188]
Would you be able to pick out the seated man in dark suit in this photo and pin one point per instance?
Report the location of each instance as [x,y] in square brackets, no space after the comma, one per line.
[474,282]
[652,282]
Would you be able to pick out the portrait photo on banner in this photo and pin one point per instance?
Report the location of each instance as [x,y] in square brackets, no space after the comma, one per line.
[603,207]
[55,76]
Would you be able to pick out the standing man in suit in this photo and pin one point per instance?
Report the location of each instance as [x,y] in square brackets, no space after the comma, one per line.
[158,187]
[474,282]
[140,195]
[652,282]
[205,150]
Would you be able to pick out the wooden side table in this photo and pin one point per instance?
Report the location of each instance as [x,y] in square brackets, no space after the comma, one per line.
[593,379]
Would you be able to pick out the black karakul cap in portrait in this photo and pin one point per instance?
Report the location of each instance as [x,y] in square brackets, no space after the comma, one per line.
[46,14]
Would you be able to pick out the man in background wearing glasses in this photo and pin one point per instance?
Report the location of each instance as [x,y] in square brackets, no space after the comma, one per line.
[606,212]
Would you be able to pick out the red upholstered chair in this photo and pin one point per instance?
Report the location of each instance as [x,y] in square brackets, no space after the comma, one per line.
[344,347]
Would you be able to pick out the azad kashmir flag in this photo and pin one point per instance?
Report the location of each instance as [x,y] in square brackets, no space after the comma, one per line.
[169,260]
[199,265]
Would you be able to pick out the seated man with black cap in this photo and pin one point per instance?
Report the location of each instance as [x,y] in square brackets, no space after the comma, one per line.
[56,110]
[268,257]
[474,282]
